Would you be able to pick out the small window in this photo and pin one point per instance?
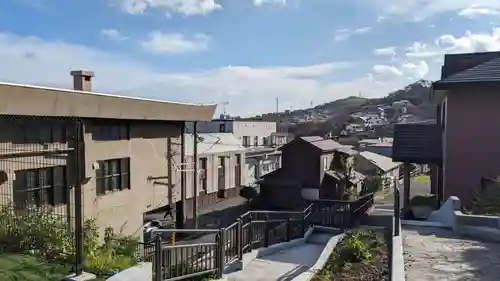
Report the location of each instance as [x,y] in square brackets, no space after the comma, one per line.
[246,141]
[256,141]
[113,175]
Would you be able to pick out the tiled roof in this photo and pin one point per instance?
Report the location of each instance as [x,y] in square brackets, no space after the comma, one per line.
[485,72]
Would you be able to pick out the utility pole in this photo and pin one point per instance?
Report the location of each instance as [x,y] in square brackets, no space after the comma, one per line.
[195,175]
[224,104]
[180,207]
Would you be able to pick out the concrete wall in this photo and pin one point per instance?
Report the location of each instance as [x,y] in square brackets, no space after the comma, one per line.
[254,167]
[212,172]
[147,149]
[240,129]
[122,210]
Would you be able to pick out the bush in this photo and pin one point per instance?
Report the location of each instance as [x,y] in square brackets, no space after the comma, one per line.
[373,184]
[429,200]
[40,232]
[356,249]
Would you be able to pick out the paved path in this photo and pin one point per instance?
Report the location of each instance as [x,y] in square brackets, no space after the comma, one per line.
[281,266]
[436,254]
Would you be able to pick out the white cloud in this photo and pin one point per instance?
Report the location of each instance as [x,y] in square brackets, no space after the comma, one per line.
[184,7]
[475,11]
[388,51]
[386,70]
[262,2]
[470,42]
[113,34]
[175,43]
[416,70]
[344,34]
[249,90]
[418,10]
[422,50]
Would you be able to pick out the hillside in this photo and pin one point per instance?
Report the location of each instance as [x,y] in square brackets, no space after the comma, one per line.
[332,115]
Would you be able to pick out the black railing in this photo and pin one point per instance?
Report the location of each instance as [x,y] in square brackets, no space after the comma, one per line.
[253,229]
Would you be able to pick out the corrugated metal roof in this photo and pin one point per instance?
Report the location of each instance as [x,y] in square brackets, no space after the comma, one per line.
[384,163]
[485,72]
[213,143]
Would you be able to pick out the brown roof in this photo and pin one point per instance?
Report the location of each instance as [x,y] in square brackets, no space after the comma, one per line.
[323,144]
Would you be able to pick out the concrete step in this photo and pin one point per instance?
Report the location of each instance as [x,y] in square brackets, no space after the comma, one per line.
[319,238]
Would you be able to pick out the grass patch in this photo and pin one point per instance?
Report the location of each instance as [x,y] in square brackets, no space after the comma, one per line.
[17,267]
[423,178]
[26,267]
[362,255]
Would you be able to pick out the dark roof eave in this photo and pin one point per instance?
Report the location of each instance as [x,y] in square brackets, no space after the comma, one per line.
[448,85]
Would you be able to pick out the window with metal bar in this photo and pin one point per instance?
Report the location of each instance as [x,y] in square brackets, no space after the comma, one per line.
[45,186]
[46,131]
[113,175]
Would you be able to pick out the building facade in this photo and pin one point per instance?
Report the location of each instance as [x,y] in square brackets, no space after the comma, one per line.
[221,168]
[119,149]
[251,133]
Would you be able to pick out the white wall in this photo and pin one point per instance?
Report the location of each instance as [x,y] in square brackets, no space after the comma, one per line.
[259,129]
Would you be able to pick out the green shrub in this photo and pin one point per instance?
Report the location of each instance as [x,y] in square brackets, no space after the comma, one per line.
[429,200]
[40,232]
[373,184]
[356,249]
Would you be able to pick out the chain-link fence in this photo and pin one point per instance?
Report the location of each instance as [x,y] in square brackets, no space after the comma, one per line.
[40,191]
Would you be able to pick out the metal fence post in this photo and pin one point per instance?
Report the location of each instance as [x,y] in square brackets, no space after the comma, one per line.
[158,258]
[266,231]
[289,230]
[218,255]
[239,239]
[397,211]
[250,232]
[223,242]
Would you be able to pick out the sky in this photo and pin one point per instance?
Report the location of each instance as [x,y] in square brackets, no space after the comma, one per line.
[247,53]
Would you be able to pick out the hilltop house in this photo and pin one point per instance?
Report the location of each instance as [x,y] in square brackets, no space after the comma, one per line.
[312,168]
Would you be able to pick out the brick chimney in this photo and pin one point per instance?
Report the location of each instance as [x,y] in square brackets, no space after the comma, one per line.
[82,80]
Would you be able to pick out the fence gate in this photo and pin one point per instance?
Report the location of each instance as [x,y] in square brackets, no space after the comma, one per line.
[39,167]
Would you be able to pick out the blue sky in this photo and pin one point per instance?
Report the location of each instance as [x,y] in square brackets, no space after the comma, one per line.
[246,52]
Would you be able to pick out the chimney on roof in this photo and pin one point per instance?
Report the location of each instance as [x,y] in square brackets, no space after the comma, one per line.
[82,80]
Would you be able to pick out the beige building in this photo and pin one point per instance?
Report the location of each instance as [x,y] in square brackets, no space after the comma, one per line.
[221,163]
[129,147]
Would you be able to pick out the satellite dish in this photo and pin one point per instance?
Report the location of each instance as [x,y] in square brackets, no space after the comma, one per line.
[3,177]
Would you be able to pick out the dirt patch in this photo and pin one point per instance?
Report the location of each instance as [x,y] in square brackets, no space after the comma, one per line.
[362,255]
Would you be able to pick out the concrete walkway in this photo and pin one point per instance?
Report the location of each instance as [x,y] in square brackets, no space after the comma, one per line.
[285,265]
[436,254]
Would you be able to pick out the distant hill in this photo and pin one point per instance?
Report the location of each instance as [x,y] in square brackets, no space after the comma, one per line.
[332,115]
